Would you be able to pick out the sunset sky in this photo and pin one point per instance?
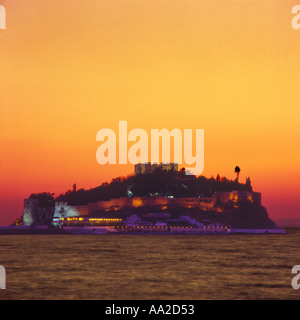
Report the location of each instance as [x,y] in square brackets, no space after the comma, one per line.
[71,68]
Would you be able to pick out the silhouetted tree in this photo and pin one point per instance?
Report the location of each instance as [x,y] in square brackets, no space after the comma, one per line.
[237,171]
[46,199]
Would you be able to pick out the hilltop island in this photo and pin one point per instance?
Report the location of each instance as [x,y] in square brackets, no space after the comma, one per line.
[155,198]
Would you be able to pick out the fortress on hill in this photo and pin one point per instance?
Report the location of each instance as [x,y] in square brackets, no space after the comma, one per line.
[149,168]
[219,205]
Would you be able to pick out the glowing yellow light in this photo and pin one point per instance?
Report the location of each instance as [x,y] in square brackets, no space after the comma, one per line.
[137,202]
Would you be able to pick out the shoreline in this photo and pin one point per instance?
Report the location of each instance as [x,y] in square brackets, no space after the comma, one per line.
[14,230]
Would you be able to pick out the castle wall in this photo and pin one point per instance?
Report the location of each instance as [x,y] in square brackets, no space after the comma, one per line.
[236,196]
[30,211]
[136,202]
[142,168]
[202,203]
[62,209]
[114,204]
[34,214]
[148,167]
[150,201]
[82,210]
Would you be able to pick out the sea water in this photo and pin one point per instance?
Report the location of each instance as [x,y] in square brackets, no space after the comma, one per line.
[135,267]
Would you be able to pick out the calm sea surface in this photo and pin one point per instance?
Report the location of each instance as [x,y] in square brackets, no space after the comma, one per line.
[135,267]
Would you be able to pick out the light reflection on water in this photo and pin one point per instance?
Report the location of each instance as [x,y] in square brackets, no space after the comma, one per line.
[150,267]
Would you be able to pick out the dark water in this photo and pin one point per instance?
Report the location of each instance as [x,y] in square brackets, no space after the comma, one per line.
[150,267]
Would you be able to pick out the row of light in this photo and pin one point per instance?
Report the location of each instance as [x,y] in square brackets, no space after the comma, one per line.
[92,219]
[165,227]
[116,219]
[105,219]
[72,219]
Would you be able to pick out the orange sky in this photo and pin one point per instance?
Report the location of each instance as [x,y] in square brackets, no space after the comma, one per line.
[69,69]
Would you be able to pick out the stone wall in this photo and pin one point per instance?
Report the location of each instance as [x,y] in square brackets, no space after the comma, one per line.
[236,196]
[33,214]
[62,209]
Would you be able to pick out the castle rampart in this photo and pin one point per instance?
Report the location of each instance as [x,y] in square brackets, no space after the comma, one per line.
[62,209]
